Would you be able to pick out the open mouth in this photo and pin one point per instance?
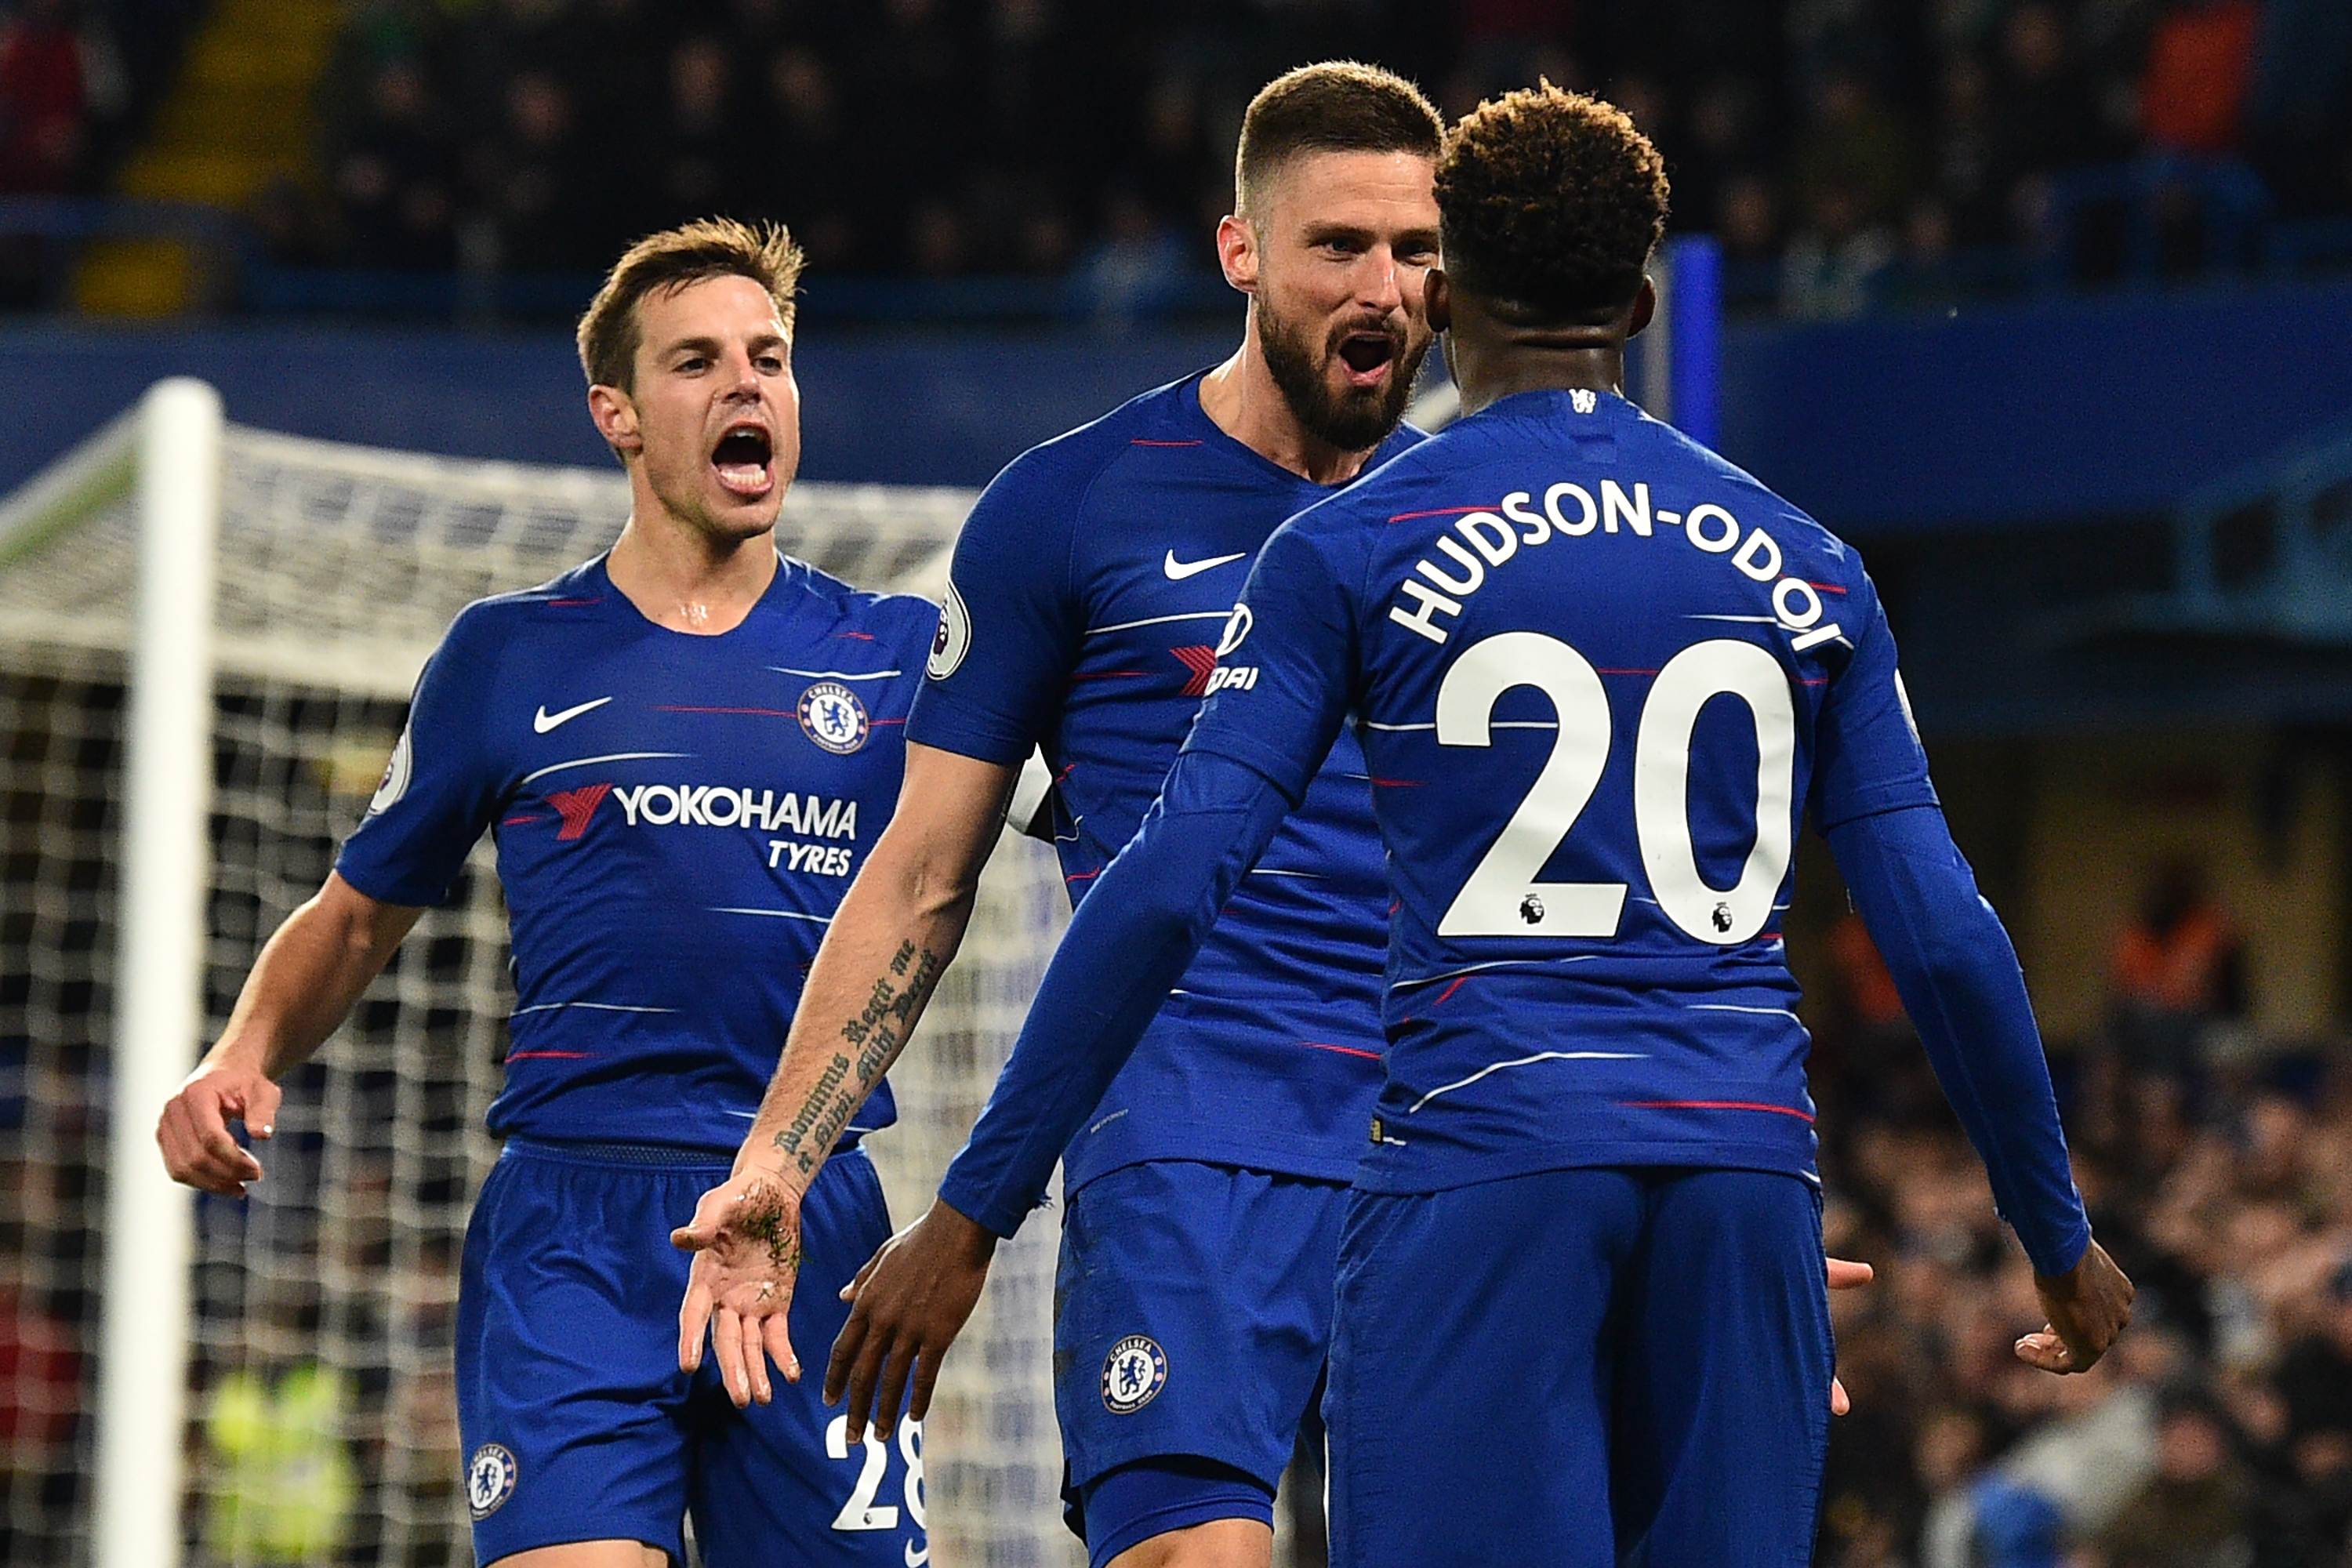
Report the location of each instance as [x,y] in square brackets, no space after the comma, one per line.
[1366,357]
[743,458]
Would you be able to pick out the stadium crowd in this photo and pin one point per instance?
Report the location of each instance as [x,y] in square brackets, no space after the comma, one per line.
[1845,150]
[2218,1433]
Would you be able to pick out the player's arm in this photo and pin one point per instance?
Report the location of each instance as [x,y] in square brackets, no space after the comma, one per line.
[973,724]
[1959,979]
[895,932]
[438,795]
[1247,763]
[302,987]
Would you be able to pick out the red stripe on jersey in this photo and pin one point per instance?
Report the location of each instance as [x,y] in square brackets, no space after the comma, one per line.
[1826,587]
[1112,675]
[1399,783]
[1438,511]
[553,603]
[1449,990]
[1713,1105]
[1083,876]
[1343,1050]
[760,712]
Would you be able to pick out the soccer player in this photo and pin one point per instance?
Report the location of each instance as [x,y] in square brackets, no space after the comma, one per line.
[1597,674]
[1089,587]
[684,750]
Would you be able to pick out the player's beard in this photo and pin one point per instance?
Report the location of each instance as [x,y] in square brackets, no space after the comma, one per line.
[1356,419]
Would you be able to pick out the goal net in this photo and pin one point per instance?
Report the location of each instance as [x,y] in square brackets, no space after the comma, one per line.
[320,1422]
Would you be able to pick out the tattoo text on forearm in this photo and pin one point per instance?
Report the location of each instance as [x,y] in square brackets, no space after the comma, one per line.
[876,1035]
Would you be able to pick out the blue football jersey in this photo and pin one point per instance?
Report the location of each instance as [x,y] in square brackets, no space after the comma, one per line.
[1090,586]
[677,817]
[1599,675]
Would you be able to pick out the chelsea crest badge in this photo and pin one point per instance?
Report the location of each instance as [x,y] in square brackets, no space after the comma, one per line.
[834,718]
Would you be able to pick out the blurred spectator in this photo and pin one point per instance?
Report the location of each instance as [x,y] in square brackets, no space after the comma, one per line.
[2044,110]
[394,180]
[1878,148]
[44,102]
[2179,967]
[2200,61]
[2197,1510]
[543,198]
[702,143]
[1140,264]
[817,165]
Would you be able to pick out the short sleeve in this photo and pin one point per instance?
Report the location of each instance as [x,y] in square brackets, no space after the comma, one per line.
[1009,623]
[1285,664]
[440,789]
[1868,758]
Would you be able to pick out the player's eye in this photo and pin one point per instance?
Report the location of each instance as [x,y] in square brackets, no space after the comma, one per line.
[693,362]
[773,364]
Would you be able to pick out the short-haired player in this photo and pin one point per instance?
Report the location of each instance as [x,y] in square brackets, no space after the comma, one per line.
[1599,676]
[1090,588]
[683,750]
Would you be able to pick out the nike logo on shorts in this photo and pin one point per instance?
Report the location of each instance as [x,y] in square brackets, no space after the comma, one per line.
[1179,570]
[543,720]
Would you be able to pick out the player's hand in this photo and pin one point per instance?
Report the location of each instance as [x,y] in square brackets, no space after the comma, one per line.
[2089,1306]
[1845,1275]
[194,1130]
[746,1240]
[907,1305]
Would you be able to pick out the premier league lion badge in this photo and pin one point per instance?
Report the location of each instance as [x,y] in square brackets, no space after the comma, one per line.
[834,717]
[1133,1373]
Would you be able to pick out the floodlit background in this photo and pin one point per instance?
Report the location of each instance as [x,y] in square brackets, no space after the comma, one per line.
[2045,304]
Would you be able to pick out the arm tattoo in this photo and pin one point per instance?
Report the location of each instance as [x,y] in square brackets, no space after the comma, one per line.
[877,1033]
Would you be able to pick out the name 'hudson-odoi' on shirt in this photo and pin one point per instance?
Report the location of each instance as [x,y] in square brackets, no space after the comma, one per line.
[1488,540]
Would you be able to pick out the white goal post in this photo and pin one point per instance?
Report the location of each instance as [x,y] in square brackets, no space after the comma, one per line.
[207,638]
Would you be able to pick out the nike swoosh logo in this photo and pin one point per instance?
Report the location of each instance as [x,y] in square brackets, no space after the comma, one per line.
[1179,570]
[543,720]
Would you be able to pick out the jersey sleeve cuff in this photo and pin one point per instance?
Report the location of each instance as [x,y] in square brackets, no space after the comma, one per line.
[992,1211]
[2055,1255]
[936,722]
[1269,762]
[384,886]
[1901,796]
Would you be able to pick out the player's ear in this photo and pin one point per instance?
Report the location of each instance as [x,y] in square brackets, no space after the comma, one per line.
[1646,307]
[1437,299]
[616,414]
[1237,251]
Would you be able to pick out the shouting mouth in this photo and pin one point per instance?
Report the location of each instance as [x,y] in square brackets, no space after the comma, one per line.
[744,459]
[1366,357]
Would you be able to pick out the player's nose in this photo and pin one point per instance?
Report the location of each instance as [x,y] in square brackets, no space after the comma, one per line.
[1379,284]
[743,376]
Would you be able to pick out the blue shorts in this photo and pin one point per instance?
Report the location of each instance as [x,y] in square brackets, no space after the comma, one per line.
[1192,1315]
[579,1425]
[1581,1368]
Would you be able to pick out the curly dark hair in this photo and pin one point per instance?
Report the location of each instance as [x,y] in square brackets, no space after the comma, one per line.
[1551,201]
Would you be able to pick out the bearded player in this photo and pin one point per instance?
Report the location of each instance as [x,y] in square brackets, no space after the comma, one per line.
[684,750]
[1089,587]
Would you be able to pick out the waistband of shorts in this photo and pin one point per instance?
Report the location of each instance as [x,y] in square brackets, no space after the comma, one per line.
[653,1156]
[587,1151]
